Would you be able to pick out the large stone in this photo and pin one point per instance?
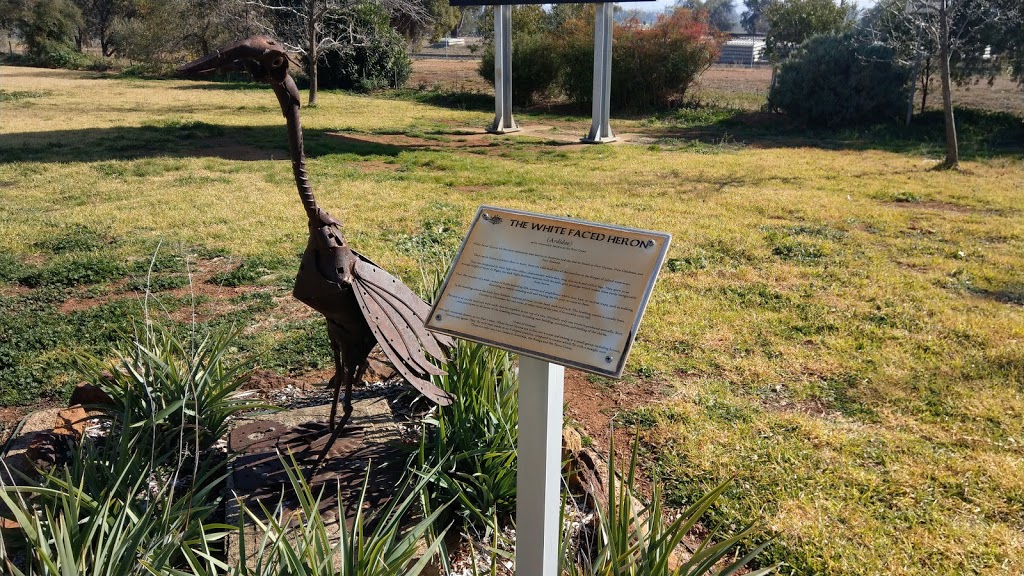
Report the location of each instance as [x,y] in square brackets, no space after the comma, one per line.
[71,422]
[18,458]
[87,394]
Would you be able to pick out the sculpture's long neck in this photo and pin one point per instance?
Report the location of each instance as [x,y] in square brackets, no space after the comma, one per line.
[288,96]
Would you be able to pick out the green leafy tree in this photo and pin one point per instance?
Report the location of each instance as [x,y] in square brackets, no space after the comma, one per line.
[48,28]
[833,81]
[791,22]
[10,10]
[956,34]
[445,18]
[721,13]
[753,19]
[311,27]
[1010,40]
[98,19]
[381,61]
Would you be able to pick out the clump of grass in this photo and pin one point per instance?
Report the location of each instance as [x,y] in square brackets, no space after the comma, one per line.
[250,271]
[439,232]
[75,238]
[11,268]
[134,501]
[74,271]
[173,387]
[16,95]
[112,510]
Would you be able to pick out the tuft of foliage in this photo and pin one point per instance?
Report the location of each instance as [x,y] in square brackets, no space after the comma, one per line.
[793,22]
[173,389]
[11,268]
[836,81]
[631,539]
[112,510]
[75,238]
[377,542]
[654,66]
[136,500]
[471,444]
[380,62]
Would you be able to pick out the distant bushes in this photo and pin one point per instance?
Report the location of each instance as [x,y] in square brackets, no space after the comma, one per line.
[834,81]
[535,63]
[651,67]
[655,66]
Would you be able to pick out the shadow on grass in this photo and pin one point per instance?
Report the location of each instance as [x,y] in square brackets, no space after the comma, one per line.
[981,134]
[181,139]
[473,101]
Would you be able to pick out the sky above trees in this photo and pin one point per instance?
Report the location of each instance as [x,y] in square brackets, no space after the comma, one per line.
[659,5]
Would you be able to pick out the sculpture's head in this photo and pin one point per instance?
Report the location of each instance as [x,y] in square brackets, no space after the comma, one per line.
[261,56]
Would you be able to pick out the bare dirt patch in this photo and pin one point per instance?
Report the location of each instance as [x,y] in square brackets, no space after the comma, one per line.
[735,79]
[377,166]
[595,405]
[448,75]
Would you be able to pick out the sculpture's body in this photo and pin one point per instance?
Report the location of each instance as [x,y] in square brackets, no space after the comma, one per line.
[363,304]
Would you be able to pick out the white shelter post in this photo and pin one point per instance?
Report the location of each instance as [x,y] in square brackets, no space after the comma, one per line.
[600,128]
[538,479]
[503,121]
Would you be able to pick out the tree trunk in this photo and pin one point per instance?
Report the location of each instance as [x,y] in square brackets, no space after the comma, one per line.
[913,87]
[314,54]
[926,82]
[952,149]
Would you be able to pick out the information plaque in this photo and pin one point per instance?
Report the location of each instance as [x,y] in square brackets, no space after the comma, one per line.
[565,291]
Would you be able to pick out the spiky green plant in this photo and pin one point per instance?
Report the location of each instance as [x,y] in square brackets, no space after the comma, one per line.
[113,510]
[376,543]
[472,442]
[179,392]
[633,539]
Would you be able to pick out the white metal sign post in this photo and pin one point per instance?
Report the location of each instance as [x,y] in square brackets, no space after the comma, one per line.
[538,479]
[600,127]
[559,292]
[503,121]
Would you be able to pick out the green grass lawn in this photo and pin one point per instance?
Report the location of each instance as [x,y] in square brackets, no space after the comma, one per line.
[839,326]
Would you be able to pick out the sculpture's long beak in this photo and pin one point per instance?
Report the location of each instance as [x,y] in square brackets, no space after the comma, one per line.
[246,55]
[230,59]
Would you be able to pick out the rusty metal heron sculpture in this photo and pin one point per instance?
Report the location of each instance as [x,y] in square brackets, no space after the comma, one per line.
[363,304]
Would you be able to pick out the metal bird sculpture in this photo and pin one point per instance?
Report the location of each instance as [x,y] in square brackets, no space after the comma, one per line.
[363,304]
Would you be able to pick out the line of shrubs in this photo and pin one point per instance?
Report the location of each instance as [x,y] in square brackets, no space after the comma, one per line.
[652,67]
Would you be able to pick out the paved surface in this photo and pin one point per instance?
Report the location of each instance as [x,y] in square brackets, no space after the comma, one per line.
[259,479]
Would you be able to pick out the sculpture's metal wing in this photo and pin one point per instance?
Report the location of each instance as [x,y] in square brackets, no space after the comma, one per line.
[397,316]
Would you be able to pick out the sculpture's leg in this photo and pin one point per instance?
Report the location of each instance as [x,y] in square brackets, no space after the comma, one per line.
[349,377]
[339,370]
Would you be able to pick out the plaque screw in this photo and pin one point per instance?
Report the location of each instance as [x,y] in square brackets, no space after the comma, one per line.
[608,359]
[437,317]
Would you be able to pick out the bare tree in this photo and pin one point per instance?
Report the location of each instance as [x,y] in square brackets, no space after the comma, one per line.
[314,27]
[956,34]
